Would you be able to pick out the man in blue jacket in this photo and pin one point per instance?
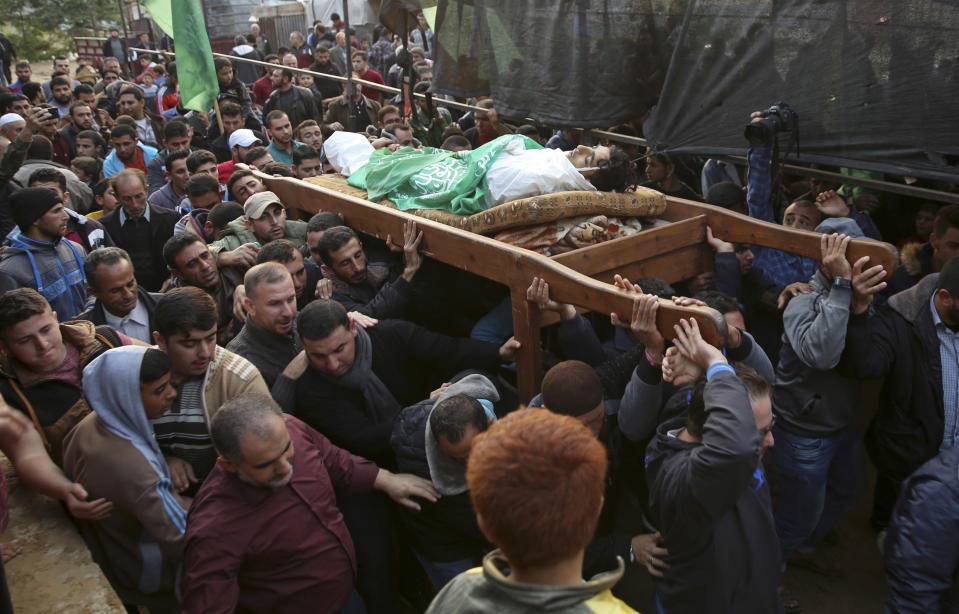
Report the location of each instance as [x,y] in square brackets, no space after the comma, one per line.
[922,545]
[40,258]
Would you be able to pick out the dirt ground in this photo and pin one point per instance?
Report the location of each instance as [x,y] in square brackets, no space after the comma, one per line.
[55,572]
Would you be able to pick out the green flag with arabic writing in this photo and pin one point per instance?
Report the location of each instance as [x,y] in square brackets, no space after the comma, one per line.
[183,21]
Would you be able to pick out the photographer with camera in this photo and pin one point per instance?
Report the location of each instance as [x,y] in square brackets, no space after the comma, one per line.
[762,132]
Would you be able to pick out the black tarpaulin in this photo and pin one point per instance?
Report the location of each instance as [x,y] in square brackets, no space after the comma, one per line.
[569,63]
[399,15]
[875,83]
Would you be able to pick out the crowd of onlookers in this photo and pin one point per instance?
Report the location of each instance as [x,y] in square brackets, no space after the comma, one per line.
[247,412]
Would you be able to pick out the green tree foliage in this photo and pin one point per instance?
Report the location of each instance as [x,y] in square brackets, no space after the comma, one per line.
[41,29]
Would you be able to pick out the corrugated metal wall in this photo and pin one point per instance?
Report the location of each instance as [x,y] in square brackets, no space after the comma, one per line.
[282,25]
[277,21]
[227,18]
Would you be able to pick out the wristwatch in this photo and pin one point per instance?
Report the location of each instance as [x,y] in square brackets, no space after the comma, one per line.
[842,282]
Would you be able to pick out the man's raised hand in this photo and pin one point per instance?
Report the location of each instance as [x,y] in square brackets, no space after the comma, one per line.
[538,292]
[865,284]
[244,256]
[691,345]
[833,248]
[361,319]
[679,370]
[411,249]
[507,351]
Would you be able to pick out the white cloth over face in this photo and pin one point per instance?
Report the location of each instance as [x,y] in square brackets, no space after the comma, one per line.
[447,475]
[518,172]
[111,385]
[347,151]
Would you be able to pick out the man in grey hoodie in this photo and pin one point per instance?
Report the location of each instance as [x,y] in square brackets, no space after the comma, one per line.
[815,408]
[245,48]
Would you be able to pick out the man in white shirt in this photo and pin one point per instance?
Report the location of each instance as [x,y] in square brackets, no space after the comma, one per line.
[120,302]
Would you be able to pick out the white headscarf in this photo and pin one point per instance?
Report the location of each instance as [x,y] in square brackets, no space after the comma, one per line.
[111,385]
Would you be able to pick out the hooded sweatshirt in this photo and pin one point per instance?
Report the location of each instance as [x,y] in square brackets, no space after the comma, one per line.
[113,453]
[247,73]
[711,502]
[809,396]
[54,269]
[487,589]
[445,530]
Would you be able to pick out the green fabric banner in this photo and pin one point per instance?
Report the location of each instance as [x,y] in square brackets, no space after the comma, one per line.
[431,178]
[183,20]
[160,13]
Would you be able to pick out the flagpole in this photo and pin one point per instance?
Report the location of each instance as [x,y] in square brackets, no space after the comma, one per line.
[219,119]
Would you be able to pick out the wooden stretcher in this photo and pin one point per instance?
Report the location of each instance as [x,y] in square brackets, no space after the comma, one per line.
[582,277]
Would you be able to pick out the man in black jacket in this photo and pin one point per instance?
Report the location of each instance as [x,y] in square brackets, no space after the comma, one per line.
[708,494]
[268,338]
[230,87]
[297,102]
[352,388]
[140,228]
[121,303]
[358,380]
[116,47]
[329,88]
[366,288]
[913,342]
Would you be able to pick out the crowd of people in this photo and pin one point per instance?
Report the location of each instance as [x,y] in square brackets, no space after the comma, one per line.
[247,412]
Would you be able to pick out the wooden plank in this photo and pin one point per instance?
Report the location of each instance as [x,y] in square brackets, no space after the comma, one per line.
[506,264]
[738,228]
[640,246]
[672,266]
[526,327]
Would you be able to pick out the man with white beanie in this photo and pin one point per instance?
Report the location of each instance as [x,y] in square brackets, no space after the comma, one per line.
[11,125]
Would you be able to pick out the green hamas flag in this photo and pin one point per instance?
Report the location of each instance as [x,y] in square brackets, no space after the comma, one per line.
[183,21]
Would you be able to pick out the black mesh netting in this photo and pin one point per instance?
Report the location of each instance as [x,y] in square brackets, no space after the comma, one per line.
[875,83]
[566,62]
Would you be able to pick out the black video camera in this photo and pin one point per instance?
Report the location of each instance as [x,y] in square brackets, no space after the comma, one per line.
[778,118]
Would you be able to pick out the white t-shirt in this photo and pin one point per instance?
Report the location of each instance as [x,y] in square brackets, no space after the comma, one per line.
[518,173]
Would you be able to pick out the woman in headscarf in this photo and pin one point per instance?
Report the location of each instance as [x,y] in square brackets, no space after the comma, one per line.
[114,454]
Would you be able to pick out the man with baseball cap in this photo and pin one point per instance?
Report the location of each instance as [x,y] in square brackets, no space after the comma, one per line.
[240,142]
[39,257]
[11,125]
[264,220]
[243,139]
